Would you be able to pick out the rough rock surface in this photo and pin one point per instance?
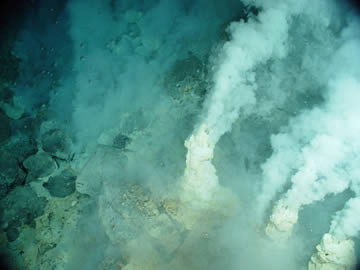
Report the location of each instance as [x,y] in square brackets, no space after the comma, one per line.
[21,146]
[61,185]
[186,77]
[281,223]
[21,206]
[9,165]
[102,166]
[43,244]
[55,142]
[137,208]
[121,141]
[333,254]
[40,165]
[10,173]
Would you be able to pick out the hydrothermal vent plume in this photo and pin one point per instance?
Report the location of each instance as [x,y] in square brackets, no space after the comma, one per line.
[328,158]
[265,94]
[234,89]
[318,153]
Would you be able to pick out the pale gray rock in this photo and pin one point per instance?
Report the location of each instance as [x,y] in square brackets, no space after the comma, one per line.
[104,165]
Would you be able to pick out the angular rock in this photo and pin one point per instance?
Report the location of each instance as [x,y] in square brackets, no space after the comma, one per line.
[21,206]
[22,147]
[61,185]
[9,166]
[56,143]
[10,173]
[104,165]
[40,165]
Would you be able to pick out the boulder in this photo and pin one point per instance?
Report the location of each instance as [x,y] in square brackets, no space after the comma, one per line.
[61,185]
[10,173]
[9,166]
[21,206]
[103,166]
[56,143]
[40,165]
[22,147]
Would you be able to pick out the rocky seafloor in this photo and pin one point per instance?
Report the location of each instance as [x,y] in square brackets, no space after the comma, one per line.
[41,207]
[47,189]
[89,181]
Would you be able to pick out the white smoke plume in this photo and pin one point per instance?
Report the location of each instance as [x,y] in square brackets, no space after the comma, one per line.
[317,153]
[234,89]
[325,163]
[234,80]
[346,222]
[293,67]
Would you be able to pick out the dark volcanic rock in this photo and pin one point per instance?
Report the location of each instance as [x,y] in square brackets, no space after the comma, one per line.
[40,165]
[20,206]
[61,185]
[9,166]
[7,183]
[22,147]
[10,173]
[55,142]
[5,128]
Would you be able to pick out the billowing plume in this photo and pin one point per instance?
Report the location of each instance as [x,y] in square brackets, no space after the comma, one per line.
[234,89]
[316,152]
[346,222]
